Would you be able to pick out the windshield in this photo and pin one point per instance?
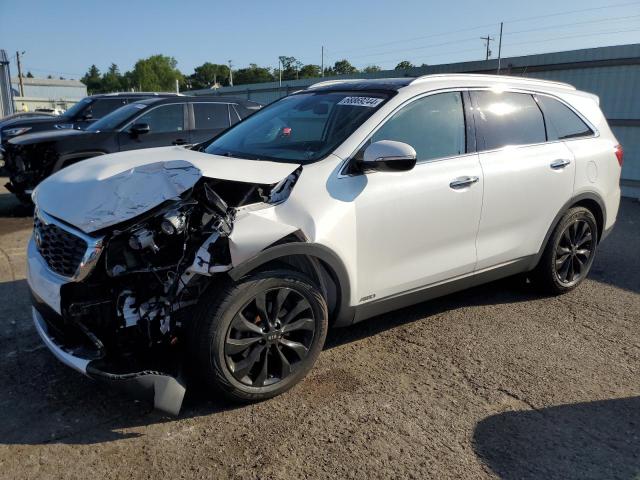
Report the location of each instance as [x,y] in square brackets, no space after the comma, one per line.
[115,118]
[77,108]
[301,128]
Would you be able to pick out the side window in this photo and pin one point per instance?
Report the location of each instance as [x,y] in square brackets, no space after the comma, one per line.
[164,119]
[104,106]
[561,121]
[211,116]
[434,126]
[507,118]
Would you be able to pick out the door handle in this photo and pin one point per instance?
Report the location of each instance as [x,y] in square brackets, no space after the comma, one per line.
[179,141]
[559,164]
[463,182]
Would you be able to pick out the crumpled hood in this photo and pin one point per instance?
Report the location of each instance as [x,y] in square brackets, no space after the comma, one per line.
[109,189]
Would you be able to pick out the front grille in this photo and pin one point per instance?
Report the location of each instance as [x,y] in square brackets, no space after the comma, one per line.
[63,251]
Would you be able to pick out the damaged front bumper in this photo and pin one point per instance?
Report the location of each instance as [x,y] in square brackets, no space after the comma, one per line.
[166,391]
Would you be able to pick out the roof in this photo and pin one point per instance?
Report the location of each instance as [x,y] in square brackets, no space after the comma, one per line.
[394,84]
[48,82]
[185,98]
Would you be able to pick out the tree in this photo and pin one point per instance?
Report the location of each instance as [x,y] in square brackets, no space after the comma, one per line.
[92,80]
[404,65]
[156,73]
[252,74]
[29,75]
[208,75]
[310,71]
[343,67]
[112,80]
[372,69]
[290,68]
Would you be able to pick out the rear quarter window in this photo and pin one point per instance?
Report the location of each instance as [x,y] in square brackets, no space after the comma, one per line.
[507,118]
[562,122]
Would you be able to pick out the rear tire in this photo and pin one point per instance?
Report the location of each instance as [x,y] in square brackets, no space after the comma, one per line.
[247,357]
[569,253]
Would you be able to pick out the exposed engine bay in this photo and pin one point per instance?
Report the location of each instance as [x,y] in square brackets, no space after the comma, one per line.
[132,312]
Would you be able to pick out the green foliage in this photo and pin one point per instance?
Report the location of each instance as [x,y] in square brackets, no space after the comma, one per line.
[158,73]
[92,80]
[310,71]
[252,74]
[404,65]
[112,80]
[29,75]
[343,67]
[372,69]
[208,75]
[290,68]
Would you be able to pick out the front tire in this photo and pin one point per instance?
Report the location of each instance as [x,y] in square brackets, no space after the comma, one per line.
[569,253]
[257,338]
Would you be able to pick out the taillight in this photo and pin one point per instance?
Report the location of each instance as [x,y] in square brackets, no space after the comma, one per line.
[619,154]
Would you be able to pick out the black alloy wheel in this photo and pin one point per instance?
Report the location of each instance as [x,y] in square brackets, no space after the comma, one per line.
[256,338]
[269,337]
[569,252]
[574,251]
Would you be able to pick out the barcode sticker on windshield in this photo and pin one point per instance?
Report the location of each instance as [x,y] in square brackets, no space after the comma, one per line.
[370,102]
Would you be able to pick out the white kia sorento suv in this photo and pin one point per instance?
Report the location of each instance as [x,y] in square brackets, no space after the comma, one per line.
[230,259]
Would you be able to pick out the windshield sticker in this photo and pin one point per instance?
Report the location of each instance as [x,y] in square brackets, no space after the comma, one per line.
[370,102]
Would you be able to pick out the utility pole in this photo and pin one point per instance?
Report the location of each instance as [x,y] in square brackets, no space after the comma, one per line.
[280,70]
[500,48]
[20,74]
[230,74]
[322,63]
[487,40]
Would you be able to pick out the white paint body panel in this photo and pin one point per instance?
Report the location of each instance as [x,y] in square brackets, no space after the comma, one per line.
[522,196]
[393,232]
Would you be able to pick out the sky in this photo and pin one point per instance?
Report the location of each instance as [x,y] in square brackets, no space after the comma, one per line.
[63,38]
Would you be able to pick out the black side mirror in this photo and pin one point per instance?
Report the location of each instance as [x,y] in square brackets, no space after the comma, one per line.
[139,128]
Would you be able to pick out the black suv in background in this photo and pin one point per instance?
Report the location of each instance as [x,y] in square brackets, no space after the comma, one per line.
[79,116]
[152,122]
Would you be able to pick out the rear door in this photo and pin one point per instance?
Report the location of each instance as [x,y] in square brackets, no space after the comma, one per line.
[166,127]
[209,120]
[527,179]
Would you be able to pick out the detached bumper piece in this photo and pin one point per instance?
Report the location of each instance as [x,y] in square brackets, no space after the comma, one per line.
[166,391]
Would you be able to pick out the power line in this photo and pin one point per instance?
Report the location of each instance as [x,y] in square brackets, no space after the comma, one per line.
[551,27]
[566,12]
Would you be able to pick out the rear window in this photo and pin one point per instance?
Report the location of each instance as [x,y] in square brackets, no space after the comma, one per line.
[561,121]
[507,118]
[211,116]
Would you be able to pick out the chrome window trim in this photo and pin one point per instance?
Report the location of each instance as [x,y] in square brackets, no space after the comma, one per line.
[91,255]
[596,132]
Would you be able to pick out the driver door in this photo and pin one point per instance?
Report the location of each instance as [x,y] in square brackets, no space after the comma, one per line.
[166,127]
[419,227]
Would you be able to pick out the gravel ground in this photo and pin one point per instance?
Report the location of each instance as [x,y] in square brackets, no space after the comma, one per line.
[493,382]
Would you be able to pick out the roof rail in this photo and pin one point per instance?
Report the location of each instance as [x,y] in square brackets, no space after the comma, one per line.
[326,83]
[504,78]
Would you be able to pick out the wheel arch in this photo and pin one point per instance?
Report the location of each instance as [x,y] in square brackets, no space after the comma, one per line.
[318,262]
[589,200]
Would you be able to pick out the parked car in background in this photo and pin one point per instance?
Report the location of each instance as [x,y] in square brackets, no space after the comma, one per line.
[79,116]
[13,117]
[328,207]
[152,122]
